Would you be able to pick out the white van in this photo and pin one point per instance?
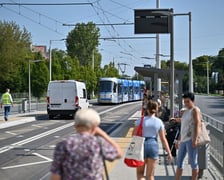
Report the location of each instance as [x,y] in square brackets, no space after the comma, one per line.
[65,97]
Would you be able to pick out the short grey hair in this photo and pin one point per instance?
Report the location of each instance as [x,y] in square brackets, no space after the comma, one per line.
[87,118]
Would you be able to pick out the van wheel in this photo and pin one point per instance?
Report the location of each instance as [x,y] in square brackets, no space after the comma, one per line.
[50,116]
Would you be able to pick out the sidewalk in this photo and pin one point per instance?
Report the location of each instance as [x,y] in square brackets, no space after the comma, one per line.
[164,171]
[19,119]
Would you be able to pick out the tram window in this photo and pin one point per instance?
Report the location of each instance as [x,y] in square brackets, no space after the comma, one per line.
[105,86]
[119,88]
[115,88]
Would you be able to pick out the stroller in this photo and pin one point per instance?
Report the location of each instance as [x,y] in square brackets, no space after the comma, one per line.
[172,134]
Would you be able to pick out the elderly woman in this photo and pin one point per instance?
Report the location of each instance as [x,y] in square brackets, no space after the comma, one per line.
[80,155]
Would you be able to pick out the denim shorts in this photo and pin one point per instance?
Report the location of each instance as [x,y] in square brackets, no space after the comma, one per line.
[186,148]
[151,148]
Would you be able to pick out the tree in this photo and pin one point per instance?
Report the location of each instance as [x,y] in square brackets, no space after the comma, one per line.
[218,66]
[200,65]
[177,64]
[137,77]
[39,76]
[82,42]
[14,53]
[110,70]
[39,79]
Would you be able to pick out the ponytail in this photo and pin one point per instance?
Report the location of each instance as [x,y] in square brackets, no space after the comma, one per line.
[152,107]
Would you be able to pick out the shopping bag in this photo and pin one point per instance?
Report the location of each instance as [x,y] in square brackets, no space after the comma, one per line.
[135,153]
[134,156]
[203,137]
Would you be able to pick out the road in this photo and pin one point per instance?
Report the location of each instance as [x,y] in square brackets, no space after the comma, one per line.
[211,105]
[26,150]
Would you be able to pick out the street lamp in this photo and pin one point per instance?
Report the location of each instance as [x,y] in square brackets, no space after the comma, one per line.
[207,78]
[50,57]
[30,82]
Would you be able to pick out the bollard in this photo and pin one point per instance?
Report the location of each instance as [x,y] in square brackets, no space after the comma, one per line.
[24,105]
[203,158]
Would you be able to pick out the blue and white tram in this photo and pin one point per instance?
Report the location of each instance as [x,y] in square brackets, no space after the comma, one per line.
[125,90]
[108,90]
[113,90]
[136,90]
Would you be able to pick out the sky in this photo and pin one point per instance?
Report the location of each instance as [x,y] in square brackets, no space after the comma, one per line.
[45,23]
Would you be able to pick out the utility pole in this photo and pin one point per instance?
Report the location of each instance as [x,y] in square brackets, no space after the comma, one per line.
[50,62]
[50,57]
[191,80]
[93,61]
[208,77]
[158,63]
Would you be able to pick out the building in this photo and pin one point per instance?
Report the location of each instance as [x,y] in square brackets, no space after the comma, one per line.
[42,49]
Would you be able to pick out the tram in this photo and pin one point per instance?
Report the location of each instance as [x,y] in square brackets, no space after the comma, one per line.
[114,90]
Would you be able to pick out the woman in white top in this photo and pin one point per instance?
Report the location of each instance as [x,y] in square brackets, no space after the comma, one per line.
[152,127]
[190,129]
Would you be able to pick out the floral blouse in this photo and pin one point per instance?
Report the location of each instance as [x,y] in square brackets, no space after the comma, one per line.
[79,157]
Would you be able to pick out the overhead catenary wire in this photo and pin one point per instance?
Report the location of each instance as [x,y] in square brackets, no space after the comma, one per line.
[34,21]
[103,24]
[114,29]
[40,15]
[120,4]
[102,20]
[44,4]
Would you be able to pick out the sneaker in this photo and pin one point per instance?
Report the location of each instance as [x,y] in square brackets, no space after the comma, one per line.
[6,119]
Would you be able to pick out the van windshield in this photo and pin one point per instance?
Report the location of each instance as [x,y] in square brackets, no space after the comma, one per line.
[105,86]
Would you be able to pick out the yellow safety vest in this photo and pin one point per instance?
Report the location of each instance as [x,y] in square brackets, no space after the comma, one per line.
[6,99]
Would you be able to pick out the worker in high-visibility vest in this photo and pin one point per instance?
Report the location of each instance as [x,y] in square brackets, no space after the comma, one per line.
[6,102]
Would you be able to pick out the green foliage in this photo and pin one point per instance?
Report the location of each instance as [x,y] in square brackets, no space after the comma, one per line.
[39,78]
[110,70]
[200,65]
[137,76]
[14,52]
[82,41]
[200,85]
[178,65]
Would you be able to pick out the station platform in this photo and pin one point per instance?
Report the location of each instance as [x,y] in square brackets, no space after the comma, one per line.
[164,170]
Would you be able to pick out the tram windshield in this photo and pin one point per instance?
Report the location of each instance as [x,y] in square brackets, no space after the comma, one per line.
[105,86]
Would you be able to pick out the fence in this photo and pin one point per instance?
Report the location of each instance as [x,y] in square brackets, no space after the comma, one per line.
[216,129]
[20,107]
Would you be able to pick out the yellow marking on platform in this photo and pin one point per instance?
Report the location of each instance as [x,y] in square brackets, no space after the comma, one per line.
[123,143]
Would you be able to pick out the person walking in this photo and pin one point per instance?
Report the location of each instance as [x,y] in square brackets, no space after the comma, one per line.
[152,128]
[190,129]
[81,155]
[7,102]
